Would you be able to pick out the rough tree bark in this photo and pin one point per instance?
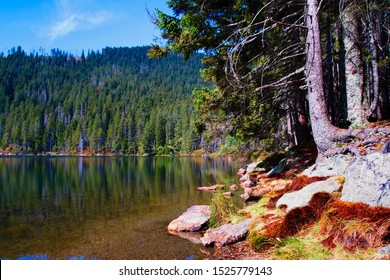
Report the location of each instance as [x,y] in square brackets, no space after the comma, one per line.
[329,77]
[322,128]
[374,62]
[324,133]
[353,70]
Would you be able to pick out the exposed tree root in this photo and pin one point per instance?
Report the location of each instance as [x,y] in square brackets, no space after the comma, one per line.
[359,142]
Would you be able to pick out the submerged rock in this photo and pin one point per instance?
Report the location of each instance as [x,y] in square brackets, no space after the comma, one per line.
[194,218]
[193,237]
[302,197]
[226,234]
[367,180]
[210,188]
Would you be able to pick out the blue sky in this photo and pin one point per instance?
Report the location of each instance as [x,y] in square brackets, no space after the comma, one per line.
[76,25]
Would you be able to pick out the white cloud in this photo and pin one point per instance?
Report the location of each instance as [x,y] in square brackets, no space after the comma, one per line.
[72,16]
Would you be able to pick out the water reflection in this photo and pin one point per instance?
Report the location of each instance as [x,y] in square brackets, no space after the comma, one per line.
[101,207]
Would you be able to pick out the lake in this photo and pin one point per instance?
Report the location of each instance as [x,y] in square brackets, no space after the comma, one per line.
[102,207]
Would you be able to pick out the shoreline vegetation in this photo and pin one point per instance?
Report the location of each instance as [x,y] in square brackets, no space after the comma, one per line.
[7,152]
[326,226]
[196,153]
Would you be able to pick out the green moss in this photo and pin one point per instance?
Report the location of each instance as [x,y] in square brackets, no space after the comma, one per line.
[257,240]
[295,248]
[257,209]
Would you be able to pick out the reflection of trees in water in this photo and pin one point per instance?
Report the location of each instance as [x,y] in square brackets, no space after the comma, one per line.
[100,206]
[37,189]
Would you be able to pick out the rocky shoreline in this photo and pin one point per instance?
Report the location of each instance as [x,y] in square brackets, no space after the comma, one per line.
[296,197]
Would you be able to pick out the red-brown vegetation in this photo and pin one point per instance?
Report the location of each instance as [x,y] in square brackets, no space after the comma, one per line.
[319,202]
[356,225]
[272,202]
[299,218]
[296,219]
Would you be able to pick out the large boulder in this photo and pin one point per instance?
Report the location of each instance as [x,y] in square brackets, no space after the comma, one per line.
[194,218]
[226,234]
[333,166]
[367,180]
[302,197]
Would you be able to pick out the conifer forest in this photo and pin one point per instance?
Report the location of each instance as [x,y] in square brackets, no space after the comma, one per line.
[115,101]
[232,76]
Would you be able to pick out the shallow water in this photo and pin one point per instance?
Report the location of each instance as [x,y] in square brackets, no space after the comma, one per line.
[102,207]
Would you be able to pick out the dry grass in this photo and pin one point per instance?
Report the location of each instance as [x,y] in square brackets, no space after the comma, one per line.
[355,226]
[325,229]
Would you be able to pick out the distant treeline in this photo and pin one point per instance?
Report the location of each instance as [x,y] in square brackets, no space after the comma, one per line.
[116,101]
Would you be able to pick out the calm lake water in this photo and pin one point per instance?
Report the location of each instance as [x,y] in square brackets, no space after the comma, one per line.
[102,207]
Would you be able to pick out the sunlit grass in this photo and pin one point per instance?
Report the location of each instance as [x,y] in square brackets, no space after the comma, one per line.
[298,248]
[222,210]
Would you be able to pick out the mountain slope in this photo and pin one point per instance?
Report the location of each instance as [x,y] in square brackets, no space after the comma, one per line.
[114,101]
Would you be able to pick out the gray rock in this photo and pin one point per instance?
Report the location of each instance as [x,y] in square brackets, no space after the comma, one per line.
[384,250]
[367,180]
[226,234]
[253,167]
[386,148]
[194,218]
[277,169]
[333,166]
[302,197]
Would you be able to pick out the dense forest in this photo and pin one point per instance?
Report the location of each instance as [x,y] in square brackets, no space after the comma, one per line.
[275,74]
[114,101]
[285,72]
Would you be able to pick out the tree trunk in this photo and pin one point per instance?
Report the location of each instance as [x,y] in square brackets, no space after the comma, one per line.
[384,70]
[301,127]
[341,116]
[329,73]
[323,131]
[353,69]
[374,63]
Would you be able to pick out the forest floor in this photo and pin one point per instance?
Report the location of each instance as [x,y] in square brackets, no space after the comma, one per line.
[327,229]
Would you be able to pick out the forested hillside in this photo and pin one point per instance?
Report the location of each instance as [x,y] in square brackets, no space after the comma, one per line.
[115,101]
